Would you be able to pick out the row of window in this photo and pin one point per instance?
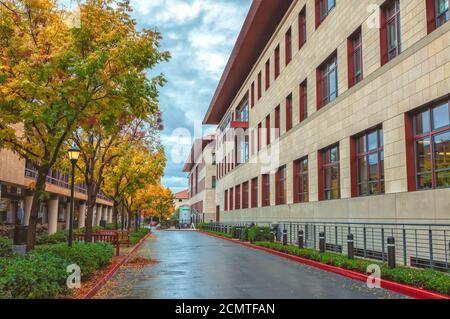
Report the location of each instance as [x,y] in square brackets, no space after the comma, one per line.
[430,152]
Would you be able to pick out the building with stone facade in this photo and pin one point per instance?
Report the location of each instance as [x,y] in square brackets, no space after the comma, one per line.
[336,111]
[16,176]
[201,169]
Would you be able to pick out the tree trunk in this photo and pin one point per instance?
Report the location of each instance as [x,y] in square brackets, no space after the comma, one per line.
[89,221]
[40,187]
[129,220]
[116,216]
[136,223]
[122,215]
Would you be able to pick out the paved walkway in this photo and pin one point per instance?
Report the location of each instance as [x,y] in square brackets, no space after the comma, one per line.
[190,265]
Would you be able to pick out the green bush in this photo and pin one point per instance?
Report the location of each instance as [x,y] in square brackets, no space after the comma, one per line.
[422,278]
[6,247]
[110,227]
[217,233]
[35,276]
[259,234]
[201,226]
[135,237]
[244,234]
[90,257]
[56,238]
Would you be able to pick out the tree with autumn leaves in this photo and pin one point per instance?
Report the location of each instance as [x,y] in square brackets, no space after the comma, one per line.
[155,201]
[86,84]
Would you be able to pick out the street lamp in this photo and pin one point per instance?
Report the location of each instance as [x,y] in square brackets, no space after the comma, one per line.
[73,156]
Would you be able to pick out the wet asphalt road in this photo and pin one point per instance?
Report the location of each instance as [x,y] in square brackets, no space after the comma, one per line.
[190,265]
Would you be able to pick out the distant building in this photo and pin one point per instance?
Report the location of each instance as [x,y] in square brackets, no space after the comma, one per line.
[201,167]
[181,198]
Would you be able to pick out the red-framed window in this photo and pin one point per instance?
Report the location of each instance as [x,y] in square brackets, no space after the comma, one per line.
[288,112]
[280,186]
[438,13]
[237,197]
[252,95]
[302,28]
[429,147]
[254,192]
[303,101]
[277,122]
[259,136]
[276,63]
[329,175]
[268,129]
[288,46]
[226,199]
[301,182]
[265,187]
[259,85]
[231,198]
[367,163]
[355,58]
[390,35]
[323,9]
[327,81]
[267,74]
[245,195]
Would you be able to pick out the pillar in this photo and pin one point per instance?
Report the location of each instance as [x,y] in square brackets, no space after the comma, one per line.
[110,215]
[28,203]
[53,216]
[105,213]
[82,215]
[99,214]
[94,215]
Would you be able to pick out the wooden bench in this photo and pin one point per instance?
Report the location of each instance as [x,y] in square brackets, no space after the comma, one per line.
[124,235]
[112,238]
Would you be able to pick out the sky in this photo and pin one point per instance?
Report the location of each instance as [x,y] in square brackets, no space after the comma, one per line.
[200,35]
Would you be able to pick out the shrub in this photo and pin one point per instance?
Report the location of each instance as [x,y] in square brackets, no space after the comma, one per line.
[6,247]
[35,276]
[244,234]
[135,237]
[201,226]
[259,234]
[110,227]
[56,238]
[421,278]
[90,257]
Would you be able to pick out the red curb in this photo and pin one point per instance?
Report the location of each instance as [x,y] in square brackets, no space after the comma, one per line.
[403,289]
[99,285]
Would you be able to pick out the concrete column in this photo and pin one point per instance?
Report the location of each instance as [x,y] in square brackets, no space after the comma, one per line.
[28,203]
[94,215]
[99,214]
[105,213]
[110,215]
[82,215]
[53,216]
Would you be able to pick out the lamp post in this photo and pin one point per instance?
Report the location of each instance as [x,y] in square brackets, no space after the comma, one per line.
[73,156]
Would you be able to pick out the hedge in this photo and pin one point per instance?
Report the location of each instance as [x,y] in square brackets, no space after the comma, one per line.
[135,237]
[421,278]
[90,257]
[257,233]
[6,247]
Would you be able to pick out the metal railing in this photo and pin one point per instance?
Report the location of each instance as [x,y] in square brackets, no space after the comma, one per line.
[417,245]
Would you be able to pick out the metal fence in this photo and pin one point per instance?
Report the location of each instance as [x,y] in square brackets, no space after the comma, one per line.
[417,245]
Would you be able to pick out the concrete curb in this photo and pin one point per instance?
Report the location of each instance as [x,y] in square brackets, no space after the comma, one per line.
[403,289]
[99,285]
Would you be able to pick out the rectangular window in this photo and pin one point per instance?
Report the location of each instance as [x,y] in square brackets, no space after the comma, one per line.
[213,182]
[265,190]
[390,35]
[252,95]
[370,163]
[301,182]
[277,122]
[267,74]
[245,195]
[438,13]
[259,136]
[280,186]
[355,58]
[289,112]
[323,9]
[231,198]
[432,146]
[288,45]
[302,28]
[259,86]
[237,196]
[303,101]
[329,184]
[226,200]
[242,111]
[277,62]
[268,130]
[255,192]
[327,81]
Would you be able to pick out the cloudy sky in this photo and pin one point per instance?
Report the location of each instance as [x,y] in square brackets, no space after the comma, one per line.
[200,35]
